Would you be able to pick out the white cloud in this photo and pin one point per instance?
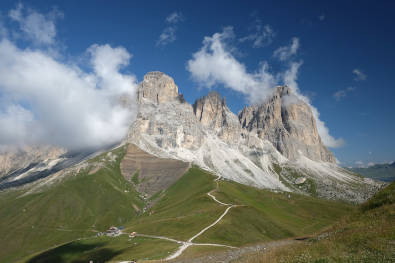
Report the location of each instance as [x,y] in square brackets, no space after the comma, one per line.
[37,27]
[215,64]
[168,34]
[286,52]
[174,17]
[321,17]
[341,94]
[262,36]
[359,76]
[44,100]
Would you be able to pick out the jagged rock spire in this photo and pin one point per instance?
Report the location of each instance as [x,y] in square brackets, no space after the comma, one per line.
[157,87]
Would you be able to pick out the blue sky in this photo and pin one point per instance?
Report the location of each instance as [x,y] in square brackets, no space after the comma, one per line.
[346,50]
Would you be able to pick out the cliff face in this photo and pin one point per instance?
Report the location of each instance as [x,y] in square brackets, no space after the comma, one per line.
[288,123]
[213,114]
[157,87]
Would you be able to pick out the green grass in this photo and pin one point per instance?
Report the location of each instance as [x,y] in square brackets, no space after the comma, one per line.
[44,227]
[367,235]
[107,249]
[268,215]
[184,209]
[74,208]
[135,178]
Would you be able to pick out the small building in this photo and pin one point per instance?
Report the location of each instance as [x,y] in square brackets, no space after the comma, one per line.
[113,231]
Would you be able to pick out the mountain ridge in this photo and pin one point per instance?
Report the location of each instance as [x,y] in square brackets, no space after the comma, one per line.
[243,148]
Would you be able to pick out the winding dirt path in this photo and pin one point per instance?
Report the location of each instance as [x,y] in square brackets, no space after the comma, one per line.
[189,243]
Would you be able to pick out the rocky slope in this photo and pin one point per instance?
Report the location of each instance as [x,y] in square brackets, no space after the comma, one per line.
[14,158]
[275,145]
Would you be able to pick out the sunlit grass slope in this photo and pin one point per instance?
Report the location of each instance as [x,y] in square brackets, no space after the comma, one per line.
[266,215]
[76,207]
[367,235]
[85,203]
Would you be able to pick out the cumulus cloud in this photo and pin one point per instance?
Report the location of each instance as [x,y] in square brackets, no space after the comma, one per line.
[262,36]
[341,94]
[37,27]
[168,34]
[49,101]
[359,75]
[214,64]
[286,52]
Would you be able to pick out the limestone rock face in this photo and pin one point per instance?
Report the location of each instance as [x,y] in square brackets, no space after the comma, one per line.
[157,87]
[20,157]
[288,123]
[266,146]
[164,117]
[212,112]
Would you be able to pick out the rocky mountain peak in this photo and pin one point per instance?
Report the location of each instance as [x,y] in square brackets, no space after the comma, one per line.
[212,112]
[288,123]
[157,87]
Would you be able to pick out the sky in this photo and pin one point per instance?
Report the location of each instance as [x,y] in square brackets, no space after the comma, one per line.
[64,65]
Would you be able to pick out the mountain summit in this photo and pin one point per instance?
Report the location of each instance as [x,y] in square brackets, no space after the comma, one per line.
[288,123]
[274,145]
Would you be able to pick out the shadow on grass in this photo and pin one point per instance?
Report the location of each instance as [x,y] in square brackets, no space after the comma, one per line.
[75,252]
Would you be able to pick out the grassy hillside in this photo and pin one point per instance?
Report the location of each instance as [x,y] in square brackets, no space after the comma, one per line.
[266,215]
[44,227]
[77,207]
[367,235]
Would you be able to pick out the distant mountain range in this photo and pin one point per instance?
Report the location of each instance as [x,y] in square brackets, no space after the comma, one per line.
[382,172]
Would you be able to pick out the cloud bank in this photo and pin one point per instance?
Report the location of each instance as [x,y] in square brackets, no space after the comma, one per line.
[215,64]
[48,101]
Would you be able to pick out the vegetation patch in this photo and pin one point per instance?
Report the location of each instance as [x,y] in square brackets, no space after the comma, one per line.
[366,235]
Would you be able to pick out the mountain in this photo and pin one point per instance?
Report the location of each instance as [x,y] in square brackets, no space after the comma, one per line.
[274,145]
[288,123]
[58,219]
[382,172]
[186,178]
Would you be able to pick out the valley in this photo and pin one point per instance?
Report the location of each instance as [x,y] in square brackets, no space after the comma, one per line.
[64,219]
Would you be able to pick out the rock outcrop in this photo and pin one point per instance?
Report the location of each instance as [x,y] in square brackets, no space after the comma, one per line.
[288,123]
[157,87]
[15,158]
[213,114]
[275,145]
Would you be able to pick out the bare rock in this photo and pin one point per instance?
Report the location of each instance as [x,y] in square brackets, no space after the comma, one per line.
[288,123]
[212,112]
[157,87]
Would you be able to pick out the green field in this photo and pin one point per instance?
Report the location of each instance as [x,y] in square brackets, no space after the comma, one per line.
[366,235]
[46,226]
[78,207]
